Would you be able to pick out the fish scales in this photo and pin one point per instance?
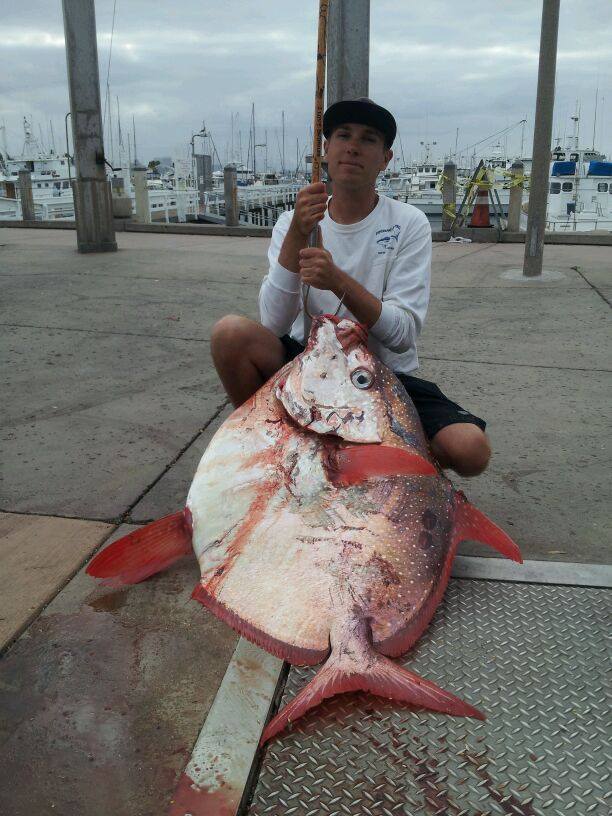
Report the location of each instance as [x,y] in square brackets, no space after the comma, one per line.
[311,543]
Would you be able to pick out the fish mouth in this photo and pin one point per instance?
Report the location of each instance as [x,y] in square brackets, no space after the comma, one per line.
[319,418]
[335,416]
[298,411]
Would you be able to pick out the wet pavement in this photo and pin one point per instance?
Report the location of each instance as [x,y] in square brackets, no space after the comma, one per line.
[111,399]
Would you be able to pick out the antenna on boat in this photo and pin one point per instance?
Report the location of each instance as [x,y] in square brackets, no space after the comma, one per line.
[595,115]
[576,120]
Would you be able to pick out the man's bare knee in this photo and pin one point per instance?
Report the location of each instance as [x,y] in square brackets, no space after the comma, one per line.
[237,338]
[245,354]
[463,447]
[229,335]
[474,458]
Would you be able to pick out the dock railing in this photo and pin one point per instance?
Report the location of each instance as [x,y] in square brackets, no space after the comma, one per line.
[258,206]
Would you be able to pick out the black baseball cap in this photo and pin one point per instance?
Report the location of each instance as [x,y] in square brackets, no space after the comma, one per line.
[361,111]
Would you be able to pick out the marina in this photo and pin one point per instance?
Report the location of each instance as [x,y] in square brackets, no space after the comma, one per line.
[580,190]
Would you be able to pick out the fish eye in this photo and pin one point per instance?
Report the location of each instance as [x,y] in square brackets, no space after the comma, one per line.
[362,378]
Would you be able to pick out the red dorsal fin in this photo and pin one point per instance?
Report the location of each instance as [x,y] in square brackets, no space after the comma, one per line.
[144,552]
[353,465]
[472,525]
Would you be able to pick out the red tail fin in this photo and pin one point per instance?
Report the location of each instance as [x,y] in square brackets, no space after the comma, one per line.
[381,677]
[471,524]
[144,552]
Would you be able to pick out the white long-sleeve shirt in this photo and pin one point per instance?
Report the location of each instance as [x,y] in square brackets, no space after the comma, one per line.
[388,253]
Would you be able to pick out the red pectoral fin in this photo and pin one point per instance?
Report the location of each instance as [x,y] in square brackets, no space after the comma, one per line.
[355,464]
[472,525]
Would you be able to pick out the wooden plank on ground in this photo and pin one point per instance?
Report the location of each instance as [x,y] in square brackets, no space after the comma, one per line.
[37,555]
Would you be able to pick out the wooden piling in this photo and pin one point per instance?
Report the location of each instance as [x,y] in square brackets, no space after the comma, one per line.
[25,195]
[141,193]
[516,196]
[230,192]
[449,194]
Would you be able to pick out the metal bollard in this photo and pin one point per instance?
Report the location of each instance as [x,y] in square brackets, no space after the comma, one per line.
[449,195]
[516,197]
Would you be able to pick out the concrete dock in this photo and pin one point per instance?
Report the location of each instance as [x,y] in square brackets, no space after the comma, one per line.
[110,398]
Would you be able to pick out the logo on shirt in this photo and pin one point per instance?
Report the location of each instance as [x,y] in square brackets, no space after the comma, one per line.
[387,238]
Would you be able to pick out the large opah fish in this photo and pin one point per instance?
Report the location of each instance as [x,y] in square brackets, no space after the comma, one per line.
[323,529]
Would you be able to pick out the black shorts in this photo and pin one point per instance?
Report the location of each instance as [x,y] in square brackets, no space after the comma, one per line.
[435,409]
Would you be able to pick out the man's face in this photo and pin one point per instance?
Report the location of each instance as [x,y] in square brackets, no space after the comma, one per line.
[356,154]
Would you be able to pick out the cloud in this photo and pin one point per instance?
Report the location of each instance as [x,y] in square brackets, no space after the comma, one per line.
[15,38]
[438,66]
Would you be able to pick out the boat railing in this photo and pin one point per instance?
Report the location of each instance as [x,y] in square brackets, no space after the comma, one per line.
[9,208]
[579,225]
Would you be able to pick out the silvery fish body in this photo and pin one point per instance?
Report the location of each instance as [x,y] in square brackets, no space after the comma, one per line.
[323,528]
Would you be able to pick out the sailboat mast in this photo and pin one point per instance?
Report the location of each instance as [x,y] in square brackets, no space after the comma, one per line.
[595,116]
[253,128]
[134,134]
[4,144]
[283,159]
[110,129]
[119,133]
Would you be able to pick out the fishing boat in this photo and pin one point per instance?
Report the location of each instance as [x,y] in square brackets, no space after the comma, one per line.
[172,197]
[419,183]
[50,172]
[580,188]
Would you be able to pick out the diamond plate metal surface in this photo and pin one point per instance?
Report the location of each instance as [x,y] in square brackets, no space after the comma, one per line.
[532,657]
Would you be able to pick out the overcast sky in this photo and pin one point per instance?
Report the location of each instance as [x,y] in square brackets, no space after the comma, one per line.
[437,65]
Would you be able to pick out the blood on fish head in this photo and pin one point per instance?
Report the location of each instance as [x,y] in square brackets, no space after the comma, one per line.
[332,387]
